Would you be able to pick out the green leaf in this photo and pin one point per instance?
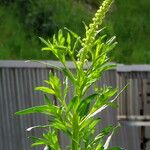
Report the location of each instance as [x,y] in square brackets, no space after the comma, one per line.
[106,131]
[89,125]
[61,126]
[69,40]
[99,31]
[72,104]
[83,107]
[85,26]
[47,101]
[106,145]
[47,148]
[113,104]
[52,139]
[110,41]
[45,64]
[108,48]
[69,74]
[60,36]
[38,141]
[39,126]
[94,123]
[36,109]
[44,41]
[66,87]
[73,33]
[46,49]
[45,90]
[107,104]
[104,98]
[54,40]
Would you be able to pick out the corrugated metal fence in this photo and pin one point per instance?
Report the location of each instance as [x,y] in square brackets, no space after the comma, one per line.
[17,82]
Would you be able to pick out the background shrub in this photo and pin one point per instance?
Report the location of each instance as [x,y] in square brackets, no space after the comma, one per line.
[22,21]
[130,23]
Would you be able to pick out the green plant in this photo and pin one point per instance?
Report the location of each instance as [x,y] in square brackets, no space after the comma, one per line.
[78,118]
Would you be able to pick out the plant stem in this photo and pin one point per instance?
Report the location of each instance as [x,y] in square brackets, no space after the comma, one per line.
[75,138]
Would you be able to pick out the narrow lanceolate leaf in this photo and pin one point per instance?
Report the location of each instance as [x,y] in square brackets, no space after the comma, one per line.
[110,41]
[36,109]
[38,141]
[72,33]
[39,126]
[69,74]
[83,107]
[106,145]
[89,125]
[69,40]
[72,104]
[45,90]
[106,105]
[106,131]
[45,64]
[47,101]
[46,43]
[66,87]
[46,148]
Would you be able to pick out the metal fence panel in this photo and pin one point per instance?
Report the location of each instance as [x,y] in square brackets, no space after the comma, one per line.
[17,83]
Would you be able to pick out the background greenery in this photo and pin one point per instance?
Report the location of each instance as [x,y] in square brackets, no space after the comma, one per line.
[22,21]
